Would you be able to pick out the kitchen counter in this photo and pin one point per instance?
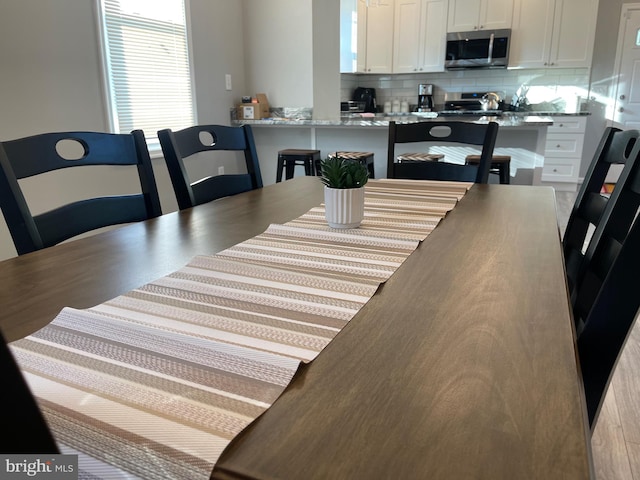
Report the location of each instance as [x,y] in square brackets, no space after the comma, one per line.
[382,120]
[522,135]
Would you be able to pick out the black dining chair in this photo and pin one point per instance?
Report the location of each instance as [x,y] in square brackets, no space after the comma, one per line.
[616,147]
[611,317]
[39,154]
[178,145]
[439,133]
[24,428]
[607,240]
[604,297]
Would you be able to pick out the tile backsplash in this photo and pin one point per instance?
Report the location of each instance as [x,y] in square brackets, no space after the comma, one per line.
[570,85]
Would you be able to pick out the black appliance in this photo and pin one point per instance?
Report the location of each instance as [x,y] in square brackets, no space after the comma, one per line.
[352,107]
[425,97]
[478,49]
[469,103]
[368,96]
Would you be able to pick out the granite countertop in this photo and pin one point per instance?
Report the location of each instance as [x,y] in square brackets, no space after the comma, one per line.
[510,119]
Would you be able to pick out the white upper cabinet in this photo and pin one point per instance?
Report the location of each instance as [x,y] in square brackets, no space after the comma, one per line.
[419,41]
[375,37]
[553,33]
[468,15]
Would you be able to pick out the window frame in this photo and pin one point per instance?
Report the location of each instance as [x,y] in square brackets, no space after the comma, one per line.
[111,117]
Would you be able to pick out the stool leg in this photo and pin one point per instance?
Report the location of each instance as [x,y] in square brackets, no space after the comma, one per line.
[289,168]
[280,168]
[504,174]
[369,164]
[372,173]
[308,166]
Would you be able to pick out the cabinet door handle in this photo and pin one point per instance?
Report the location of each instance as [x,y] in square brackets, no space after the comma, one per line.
[622,97]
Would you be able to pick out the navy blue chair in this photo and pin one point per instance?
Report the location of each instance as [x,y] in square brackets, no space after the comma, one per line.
[483,135]
[617,147]
[178,145]
[38,154]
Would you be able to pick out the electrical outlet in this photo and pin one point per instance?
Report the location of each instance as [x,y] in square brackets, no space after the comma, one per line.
[227,81]
[220,170]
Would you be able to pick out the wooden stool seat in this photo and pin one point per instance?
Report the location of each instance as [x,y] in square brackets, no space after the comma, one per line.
[365,158]
[499,165]
[290,158]
[419,157]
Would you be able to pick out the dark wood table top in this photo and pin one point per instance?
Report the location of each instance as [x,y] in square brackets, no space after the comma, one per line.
[86,272]
[463,365]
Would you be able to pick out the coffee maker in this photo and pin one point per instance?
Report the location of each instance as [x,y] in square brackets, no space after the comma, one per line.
[425,97]
[368,96]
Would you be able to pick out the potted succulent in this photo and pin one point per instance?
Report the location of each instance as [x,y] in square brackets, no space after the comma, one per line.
[344,182]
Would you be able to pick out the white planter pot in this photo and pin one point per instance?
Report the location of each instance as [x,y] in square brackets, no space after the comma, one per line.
[344,208]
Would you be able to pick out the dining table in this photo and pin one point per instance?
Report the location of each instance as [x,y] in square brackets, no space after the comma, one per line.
[462,364]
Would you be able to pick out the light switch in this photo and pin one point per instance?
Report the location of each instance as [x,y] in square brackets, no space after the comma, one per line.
[227,81]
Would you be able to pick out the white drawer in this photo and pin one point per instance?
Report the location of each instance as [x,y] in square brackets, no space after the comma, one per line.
[568,125]
[559,145]
[560,172]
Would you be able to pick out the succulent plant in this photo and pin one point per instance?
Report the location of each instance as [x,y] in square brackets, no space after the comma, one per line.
[337,172]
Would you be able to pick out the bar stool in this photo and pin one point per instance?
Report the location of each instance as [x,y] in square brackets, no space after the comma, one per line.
[365,158]
[419,157]
[499,165]
[290,158]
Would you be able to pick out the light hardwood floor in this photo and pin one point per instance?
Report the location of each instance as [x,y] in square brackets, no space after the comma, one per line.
[616,439]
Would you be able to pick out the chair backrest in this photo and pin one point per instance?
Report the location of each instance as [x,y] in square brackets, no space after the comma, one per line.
[30,156]
[24,429]
[467,133]
[178,145]
[610,320]
[616,147]
[602,281]
[607,240]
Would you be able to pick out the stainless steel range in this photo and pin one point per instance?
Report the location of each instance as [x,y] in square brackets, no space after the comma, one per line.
[470,103]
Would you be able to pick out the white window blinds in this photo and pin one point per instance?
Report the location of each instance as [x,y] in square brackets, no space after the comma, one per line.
[147,63]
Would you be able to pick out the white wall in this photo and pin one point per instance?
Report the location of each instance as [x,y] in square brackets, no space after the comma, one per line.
[50,77]
[51,80]
[326,59]
[603,81]
[217,49]
[278,58]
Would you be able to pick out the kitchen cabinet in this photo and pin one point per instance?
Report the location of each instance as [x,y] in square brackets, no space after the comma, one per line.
[468,15]
[419,41]
[375,37]
[563,150]
[553,33]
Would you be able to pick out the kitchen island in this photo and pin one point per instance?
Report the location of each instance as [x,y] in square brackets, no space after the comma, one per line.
[523,137]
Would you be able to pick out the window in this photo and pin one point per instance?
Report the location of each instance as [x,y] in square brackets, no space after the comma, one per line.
[147,64]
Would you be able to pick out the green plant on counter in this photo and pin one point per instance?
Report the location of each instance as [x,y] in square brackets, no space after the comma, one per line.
[337,172]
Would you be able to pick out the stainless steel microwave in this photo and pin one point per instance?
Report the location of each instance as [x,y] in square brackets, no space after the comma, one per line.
[478,49]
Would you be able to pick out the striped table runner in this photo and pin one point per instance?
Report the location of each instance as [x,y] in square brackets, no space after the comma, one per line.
[156,382]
